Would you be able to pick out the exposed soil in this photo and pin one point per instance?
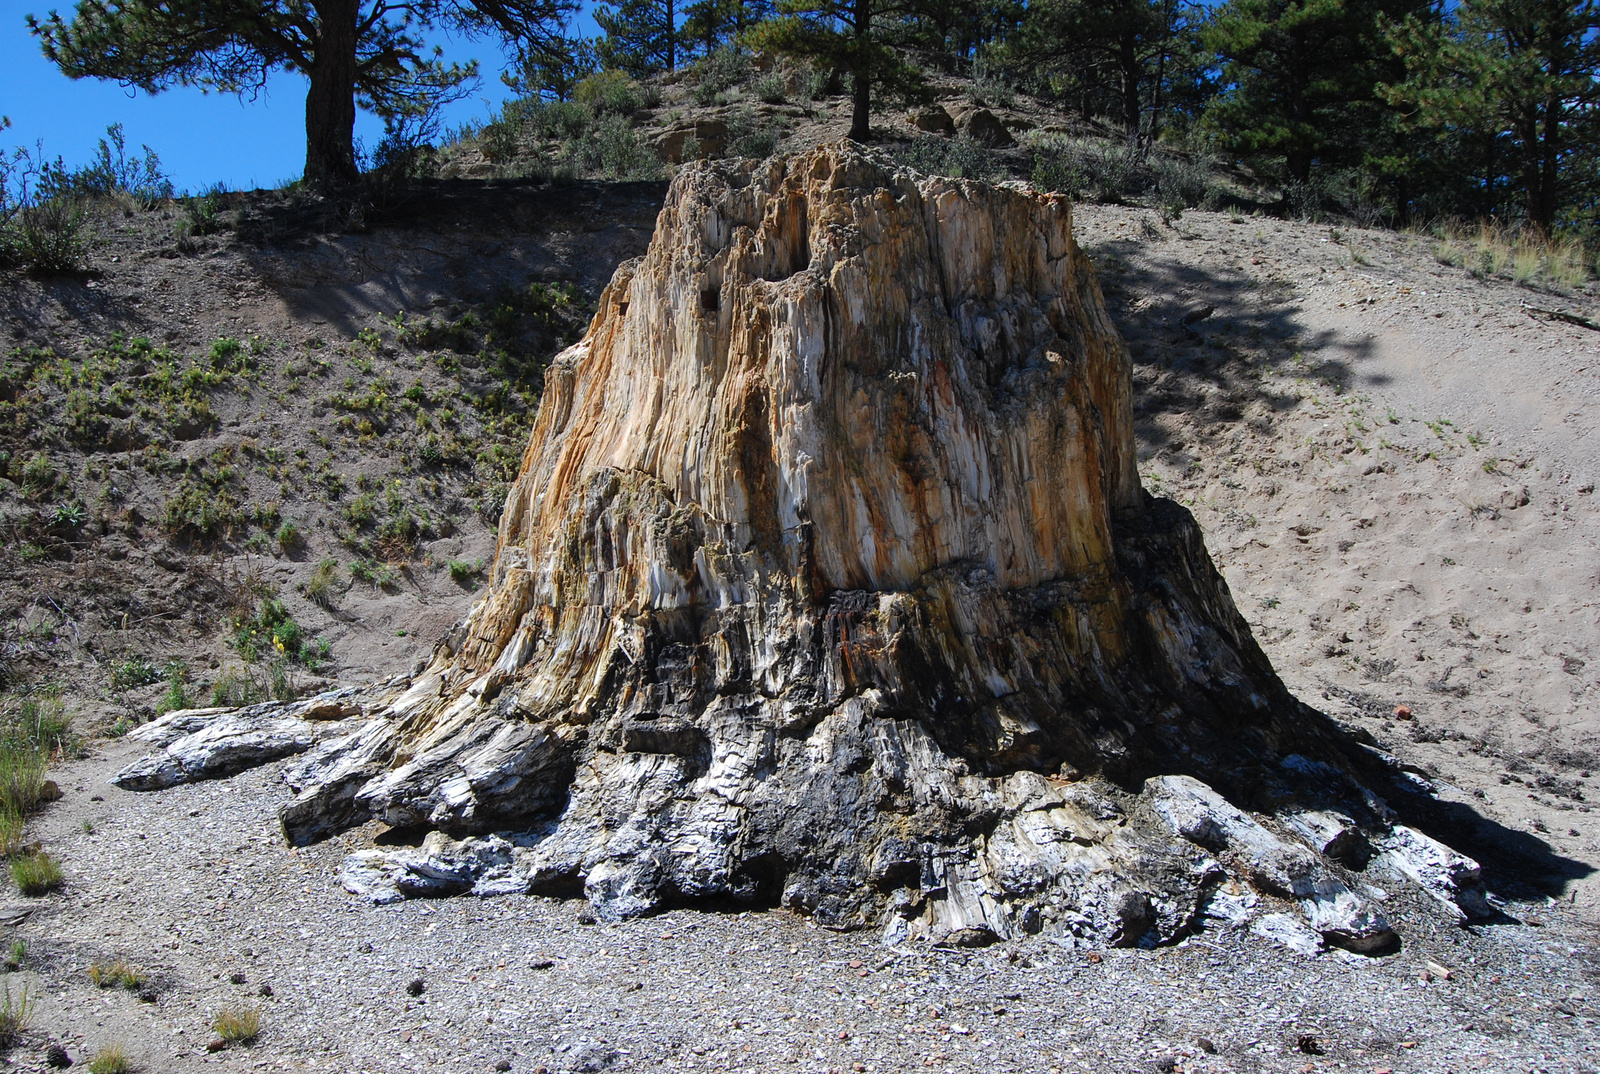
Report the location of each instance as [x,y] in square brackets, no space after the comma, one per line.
[379,404]
[1392,462]
[1395,470]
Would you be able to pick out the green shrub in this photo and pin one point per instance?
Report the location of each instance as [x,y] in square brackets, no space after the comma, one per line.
[772,88]
[717,72]
[203,213]
[235,687]
[563,120]
[362,511]
[379,575]
[176,696]
[270,629]
[134,671]
[463,572]
[611,93]
[111,171]
[613,148]
[12,826]
[323,587]
[751,136]
[48,236]
[36,874]
[39,476]
[198,511]
[959,158]
[288,536]
[22,779]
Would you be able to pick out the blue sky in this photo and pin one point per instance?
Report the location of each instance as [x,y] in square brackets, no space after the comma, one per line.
[201,138]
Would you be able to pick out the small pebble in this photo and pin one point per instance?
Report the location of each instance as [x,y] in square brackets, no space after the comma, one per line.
[236,978]
[265,990]
[504,1064]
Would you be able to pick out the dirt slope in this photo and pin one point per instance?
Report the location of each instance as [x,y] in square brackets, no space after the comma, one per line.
[1394,467]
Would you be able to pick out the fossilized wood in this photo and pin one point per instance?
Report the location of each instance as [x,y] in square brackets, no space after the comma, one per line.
[828,578]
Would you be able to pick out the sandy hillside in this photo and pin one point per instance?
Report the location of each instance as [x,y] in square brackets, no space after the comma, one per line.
[1394,464]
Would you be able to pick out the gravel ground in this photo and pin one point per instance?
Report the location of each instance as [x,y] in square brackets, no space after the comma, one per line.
[193,886]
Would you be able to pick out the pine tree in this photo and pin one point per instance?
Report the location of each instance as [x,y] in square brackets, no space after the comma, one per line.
[860,38]
[553,69]
[1516,83]
[713,24]
[640,37]
[353,51]
[1106,56]
[1300,79]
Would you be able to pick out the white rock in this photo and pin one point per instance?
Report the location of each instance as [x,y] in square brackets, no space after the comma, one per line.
[1288,931]
[228,742]
[1452,878]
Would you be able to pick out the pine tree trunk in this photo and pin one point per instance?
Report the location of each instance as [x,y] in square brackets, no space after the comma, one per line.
[672,37]
[1131,70]
[331,102]
[861,73]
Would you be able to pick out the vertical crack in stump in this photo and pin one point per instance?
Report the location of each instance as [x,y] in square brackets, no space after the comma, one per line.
[828,578]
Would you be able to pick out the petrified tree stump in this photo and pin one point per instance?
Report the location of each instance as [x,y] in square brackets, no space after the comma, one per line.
[828,579]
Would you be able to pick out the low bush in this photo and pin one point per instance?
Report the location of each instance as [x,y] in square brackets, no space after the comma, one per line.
[324,585]
[751,136]
[613,148]
[717,72]
[48,236]
[772,88]
[959,158]
[176,696]
[133,671]
[235,687]
[612,93]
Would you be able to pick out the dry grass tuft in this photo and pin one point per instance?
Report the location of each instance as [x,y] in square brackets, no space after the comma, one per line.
[36,873]
[16,1014]
[110,1059]
[1528,257]
[237,1025]
[118,974]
